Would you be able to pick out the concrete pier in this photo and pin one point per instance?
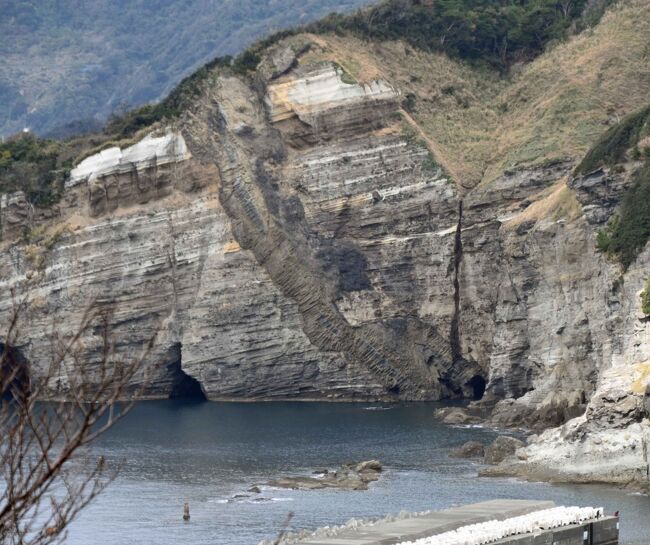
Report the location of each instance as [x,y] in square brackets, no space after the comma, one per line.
[603,531]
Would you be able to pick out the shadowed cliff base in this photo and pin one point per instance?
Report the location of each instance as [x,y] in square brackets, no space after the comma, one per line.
[182,385]
[406,354]
[14,374]
[185,386]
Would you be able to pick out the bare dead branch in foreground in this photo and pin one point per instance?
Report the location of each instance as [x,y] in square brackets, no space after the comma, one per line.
[48,473]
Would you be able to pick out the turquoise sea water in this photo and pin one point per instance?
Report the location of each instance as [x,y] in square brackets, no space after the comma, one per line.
[206,453]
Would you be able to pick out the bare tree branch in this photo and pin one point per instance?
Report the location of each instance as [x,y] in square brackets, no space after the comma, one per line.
[48,473]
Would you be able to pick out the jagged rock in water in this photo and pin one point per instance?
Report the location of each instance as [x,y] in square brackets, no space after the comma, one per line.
[348,477]
[456,415]
[501,448]
[471,449]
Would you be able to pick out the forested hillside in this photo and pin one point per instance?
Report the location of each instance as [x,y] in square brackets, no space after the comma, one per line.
[495,32]
[67,65]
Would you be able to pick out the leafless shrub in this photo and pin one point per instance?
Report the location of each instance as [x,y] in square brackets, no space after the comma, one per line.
[48,473]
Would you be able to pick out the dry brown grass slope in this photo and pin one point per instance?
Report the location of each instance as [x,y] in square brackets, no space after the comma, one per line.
[481,124]
[562,102]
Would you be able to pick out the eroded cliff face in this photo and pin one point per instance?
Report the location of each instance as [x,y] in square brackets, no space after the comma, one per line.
[294,243]
[293,236]
[608,441]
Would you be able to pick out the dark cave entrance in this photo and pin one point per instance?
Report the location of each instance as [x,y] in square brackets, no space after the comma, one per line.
[477,386]
[186,387]
[14,374]
[393,390]
[183,386]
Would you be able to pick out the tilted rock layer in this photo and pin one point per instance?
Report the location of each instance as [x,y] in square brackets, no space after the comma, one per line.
[257,253]
[296,235]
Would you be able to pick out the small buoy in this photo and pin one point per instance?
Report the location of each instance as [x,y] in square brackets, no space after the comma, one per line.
[186,512]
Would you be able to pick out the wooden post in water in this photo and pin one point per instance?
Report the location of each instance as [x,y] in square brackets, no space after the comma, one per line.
[186,512]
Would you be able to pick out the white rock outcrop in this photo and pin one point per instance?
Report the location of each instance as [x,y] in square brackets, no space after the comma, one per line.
[320,90]
[149,152]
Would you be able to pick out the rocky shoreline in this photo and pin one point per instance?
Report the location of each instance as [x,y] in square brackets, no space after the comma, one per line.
[608,444]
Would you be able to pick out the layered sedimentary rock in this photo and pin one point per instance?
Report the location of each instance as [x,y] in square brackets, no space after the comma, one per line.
[535,300]
[593,339]
[294,237]
[255,248]
[307,194]
[609,442]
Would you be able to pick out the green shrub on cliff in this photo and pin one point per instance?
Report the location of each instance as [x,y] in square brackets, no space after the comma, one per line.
[613,146]
[628,232]
[246,62]
[32,165]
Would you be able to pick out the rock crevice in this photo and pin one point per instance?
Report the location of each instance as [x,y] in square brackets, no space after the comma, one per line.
[291,258]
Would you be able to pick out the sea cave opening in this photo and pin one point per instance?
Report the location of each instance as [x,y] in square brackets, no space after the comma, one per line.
[187,387]
[477,385]
[14,374]
[183,386]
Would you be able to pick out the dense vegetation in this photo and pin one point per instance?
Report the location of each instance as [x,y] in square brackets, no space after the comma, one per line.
[34,166]
[497,32]
[67,65]
[612,147]
[629,230]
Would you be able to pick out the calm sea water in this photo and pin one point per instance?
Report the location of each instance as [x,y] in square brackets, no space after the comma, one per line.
[206,453]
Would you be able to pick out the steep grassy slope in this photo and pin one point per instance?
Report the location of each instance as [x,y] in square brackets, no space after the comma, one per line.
[561,103]
[480,123]
[69,61]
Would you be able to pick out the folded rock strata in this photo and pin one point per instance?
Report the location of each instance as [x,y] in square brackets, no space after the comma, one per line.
[290,238]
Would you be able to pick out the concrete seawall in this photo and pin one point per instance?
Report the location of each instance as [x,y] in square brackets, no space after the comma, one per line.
[601,531]
[597,532]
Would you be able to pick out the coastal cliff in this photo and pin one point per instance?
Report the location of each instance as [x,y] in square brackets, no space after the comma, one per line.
[363,221]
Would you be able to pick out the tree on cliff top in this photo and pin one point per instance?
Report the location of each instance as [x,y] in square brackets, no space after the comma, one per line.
[48,474]
[496,32]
